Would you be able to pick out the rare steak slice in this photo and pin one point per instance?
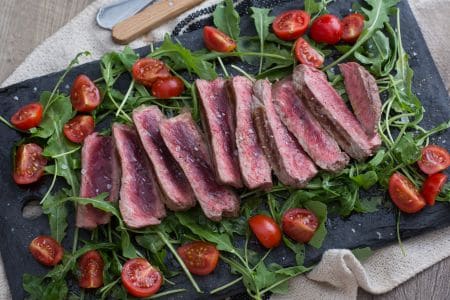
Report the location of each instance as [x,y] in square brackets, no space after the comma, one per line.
[141,201]
[289,162]
[100,173]
[171,179]
[218,122]
[184,140]
[255,168]
[320,146]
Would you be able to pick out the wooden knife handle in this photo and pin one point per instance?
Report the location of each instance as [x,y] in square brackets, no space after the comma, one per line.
[150,18]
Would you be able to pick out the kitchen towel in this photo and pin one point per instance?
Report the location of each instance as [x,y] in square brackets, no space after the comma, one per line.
[339,274]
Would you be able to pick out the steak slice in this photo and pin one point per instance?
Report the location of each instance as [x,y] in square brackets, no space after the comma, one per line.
[100,173]
[289,162]
[218,122]
[140,198]
[319,145]
[255,168]
[184,140]
[331,111]
[171,179]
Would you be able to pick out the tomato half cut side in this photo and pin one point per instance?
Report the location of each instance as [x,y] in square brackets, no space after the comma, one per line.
[77,129]
[91,267]
[432,187]
[434,159]
[352,27]
[266,230]
[326,29]
[200,258]
[84,94]
[404,194]
[216,40]
[29,164]
[166,88]
[140,278]
[147,70]
[307,55]
[46,250]
[28,116]
[300,224]
[291,25]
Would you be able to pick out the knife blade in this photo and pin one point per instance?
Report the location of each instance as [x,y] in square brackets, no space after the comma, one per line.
[110,15]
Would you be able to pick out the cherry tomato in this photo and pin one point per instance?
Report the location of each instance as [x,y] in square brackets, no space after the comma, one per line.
[147,70]
[28,116]
[307,55]
[432,187]
[266,230]
[404,194]
[299,224]
[216,40]
[326,29]
[84,94]
[140,278]
[434,159]
[291,25]
[29,164]
[91,267]
[165,88]
[77,129]
[352,26]
[46,250]
[200,258]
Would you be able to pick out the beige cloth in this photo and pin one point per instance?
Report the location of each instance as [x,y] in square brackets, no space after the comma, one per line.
[339,274]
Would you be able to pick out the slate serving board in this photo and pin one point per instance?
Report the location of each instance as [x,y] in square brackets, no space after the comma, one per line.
[374,230]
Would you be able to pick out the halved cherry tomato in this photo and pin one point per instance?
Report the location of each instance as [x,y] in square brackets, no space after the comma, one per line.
[29,164]
[299,224]
[28,116]
[200,258]
[91,267]
[77,129]
[307,55]
[46,250]
[352,26]
[216,40]
[266,230]
[291,25]
[404,194]
[434,159]
[147,70]
[165,88]
[326,29]
[84,94]
[432,187]
[140,278]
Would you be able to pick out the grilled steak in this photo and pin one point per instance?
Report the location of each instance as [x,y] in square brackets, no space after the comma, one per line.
[100,174]
[140,198]
[171,179]
[218,122]
[319,145]
[289,162]
[185,142]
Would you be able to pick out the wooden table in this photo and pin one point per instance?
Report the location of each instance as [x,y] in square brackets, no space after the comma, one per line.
[24,24]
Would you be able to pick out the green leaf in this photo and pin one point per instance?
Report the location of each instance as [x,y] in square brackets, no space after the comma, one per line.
[320,210]
[57,213]
[378,158]
[227,19]
[366,180]
[262,22]
[151,242]
[298,249]
[362,254]
[128,57]
[407,149]
[368,205]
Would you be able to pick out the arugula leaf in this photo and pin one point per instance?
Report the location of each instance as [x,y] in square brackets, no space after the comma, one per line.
[298,249]
[366,180]
[227,19]
[320,210]
[128,57]
[407,149]
[57,215]
[314,8]
[368,205]
[362,254]
[55,290]
[262,22]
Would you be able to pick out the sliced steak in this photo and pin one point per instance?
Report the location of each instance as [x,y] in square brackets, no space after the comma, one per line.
[171,179]
[289,162]
[184,140]
[218,122]
[319,145]
[100,173]
[141,201]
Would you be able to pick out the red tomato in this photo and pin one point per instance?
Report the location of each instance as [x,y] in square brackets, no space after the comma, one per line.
[434,159]
[291,25]
[28,116]
[165,88]
[216,40]
[91,270]
[326,29]
[200,258]
[307,55]
[432,187]
[84,94]
[29,164]
[77,129]
[300,224]
[404,194]
[46,250]
[352,26]
[266,230]
[140,278]
[147,70]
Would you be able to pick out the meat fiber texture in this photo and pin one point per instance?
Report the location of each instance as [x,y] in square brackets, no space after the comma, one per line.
[184,140]
[100,173]
[174,184]
[141,201]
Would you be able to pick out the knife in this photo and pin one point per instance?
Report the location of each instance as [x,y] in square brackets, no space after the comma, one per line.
[110,15]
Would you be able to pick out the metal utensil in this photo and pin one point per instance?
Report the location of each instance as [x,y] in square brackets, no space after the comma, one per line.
[110,15]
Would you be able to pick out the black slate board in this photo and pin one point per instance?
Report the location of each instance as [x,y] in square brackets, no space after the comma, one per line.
[374,230]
